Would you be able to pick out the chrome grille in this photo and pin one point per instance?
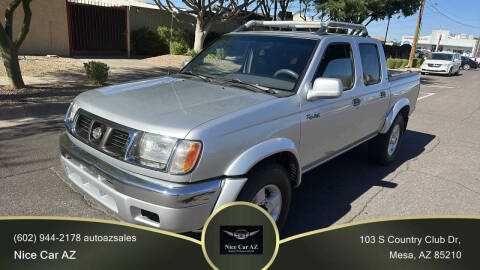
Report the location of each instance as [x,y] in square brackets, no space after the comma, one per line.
[433,65]
[114,138]
[117,142]
[83,126]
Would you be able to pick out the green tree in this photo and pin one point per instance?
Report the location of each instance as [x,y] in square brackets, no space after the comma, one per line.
[206,13]
[365,11]
[9,46]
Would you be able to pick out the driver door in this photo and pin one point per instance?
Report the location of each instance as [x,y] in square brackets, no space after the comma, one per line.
[329,125]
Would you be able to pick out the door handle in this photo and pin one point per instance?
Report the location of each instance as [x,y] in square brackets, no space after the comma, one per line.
[356,101]
[383,94]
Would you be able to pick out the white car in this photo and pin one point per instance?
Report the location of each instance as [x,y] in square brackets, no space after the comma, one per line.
[442,63]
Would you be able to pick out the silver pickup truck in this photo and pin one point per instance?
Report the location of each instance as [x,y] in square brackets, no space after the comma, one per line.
[243,120]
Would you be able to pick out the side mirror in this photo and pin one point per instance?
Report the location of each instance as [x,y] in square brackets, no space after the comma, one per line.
[185,62]
[324,88]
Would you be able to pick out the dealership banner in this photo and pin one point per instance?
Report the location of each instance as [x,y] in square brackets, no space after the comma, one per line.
[240,236]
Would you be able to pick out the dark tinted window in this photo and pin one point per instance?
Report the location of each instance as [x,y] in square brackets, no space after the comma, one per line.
[337,62]
[370,64]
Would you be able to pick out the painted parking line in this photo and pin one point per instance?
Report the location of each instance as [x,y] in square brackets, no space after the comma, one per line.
[438,86]
[426,95]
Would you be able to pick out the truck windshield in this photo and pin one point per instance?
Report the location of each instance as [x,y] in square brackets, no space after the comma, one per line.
[441,56]
[272,62]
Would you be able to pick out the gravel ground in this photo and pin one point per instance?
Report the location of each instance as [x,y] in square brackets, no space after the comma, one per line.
[169,60]
[59,79]
[41,65]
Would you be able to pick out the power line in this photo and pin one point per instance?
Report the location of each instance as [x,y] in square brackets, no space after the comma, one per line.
[451,14]
[434,8]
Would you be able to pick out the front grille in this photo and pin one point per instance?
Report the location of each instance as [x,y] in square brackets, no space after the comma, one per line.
[117,142]
[83,126]
[102,134]
[434,65]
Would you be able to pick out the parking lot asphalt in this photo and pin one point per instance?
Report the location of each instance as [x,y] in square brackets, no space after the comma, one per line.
[437,171]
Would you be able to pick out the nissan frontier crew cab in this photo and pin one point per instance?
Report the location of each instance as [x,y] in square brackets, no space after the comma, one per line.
[242,121]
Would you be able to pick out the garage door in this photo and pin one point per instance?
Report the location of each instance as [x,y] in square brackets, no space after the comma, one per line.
[97,30]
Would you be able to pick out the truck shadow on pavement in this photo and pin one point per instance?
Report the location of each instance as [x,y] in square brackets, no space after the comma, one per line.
[326,193]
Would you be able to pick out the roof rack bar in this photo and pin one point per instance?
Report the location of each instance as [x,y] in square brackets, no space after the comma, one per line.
[322,26]
[343,25]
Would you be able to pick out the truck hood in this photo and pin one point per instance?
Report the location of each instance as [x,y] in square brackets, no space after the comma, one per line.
[167,106]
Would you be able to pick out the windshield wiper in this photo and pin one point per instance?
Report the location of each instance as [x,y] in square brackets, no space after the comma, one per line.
[253,86]
[204,78]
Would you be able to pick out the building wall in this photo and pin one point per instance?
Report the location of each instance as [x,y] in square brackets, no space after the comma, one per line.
[48,29]
[152,18]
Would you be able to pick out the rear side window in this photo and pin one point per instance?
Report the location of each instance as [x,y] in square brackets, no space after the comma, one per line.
[337,62]
[370,63]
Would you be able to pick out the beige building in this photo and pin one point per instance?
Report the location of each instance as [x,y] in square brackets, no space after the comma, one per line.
[93,27]
[48,30]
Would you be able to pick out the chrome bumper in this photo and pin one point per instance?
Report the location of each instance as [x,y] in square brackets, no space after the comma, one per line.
[136,198]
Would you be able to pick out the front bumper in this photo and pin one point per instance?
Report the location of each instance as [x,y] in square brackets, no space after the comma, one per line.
[439,70]
[138,199]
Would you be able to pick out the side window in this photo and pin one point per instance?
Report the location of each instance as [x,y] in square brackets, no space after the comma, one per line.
[337,62]
[370,64]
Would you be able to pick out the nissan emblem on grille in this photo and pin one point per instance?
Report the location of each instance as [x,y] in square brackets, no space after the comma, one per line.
[97,133]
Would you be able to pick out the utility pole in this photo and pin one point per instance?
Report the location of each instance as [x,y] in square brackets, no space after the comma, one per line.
[386,32]
[476,48]
[415,38]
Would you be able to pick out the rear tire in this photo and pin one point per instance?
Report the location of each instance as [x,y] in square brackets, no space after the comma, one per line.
[271,180]
[466,67]
[384,148]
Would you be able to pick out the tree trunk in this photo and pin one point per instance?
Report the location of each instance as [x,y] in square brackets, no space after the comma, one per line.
[12,67]
[201,31]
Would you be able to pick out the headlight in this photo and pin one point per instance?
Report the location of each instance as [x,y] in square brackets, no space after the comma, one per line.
[155,150]
[158,152]
[70,116]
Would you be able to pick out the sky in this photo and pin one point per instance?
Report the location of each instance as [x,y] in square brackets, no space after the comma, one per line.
[458,16]
[462,16]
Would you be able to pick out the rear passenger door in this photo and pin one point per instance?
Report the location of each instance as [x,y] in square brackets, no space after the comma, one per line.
[372,90]
[329,125]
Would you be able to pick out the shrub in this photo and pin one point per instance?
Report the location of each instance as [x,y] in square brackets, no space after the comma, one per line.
[211,56]
[390,63]
[169,36]
[147,43]
[220,52]
[191,53]
[178,48]
[97,72]
[395,63]
[184,37]
[164,34]
[417,62]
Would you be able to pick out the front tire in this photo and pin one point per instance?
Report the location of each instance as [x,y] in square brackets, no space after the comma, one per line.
[466,67]
[384,148]
[268,186]
[450,72]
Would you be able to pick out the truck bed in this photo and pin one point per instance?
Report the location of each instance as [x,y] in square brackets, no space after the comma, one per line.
[394,74]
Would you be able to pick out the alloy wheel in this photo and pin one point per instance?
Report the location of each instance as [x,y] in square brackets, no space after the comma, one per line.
[269,198]
[394,139]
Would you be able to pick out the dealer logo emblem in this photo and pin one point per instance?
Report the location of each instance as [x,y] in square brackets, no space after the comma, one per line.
[241,234]
[241,240]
